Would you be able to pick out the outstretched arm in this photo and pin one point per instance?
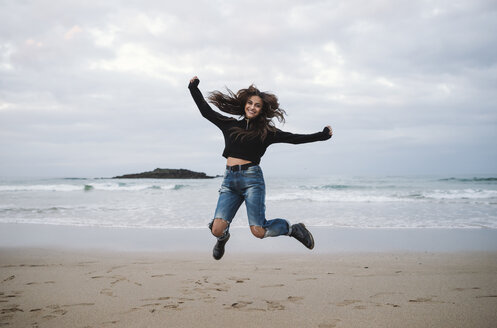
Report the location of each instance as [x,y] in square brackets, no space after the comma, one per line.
[202,105]
[293,138]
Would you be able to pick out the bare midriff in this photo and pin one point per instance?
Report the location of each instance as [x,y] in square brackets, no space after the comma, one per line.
[236,161]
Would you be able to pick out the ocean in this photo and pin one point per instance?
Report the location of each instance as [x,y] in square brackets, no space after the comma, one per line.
[340,201]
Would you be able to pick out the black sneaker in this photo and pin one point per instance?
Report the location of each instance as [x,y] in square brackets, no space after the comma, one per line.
[300,232]
[218,250]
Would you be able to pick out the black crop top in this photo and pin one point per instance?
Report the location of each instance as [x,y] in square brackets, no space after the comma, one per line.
[250,149]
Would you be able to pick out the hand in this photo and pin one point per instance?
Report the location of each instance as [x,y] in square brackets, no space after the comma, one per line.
[193,82]
[329,128]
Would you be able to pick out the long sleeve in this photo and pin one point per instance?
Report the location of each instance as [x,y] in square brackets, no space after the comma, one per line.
[204,107]
[292,138]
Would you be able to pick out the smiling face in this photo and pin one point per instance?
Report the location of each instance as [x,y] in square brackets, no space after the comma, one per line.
[253,107]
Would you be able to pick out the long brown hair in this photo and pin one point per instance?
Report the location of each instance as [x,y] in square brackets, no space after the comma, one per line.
[234,103]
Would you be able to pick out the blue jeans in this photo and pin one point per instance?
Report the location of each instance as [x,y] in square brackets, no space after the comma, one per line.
[247,185]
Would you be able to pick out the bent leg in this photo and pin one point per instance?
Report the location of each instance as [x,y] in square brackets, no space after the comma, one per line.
[256,210]
[276,227]
[227,205]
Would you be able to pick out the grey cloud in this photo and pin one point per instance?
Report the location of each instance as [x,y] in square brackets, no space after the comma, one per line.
[394,78]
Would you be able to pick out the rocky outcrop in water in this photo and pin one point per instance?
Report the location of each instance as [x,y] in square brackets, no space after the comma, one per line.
[166,174]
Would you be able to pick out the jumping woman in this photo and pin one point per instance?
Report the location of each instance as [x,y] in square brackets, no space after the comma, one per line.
[246,141]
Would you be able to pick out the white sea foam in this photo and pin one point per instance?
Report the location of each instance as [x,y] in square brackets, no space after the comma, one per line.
[88,187]
[461,194]
[41,187]
[133,187]
[397,202]
[316,196]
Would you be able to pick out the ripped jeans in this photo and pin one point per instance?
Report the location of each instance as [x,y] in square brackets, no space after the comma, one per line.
[247,185]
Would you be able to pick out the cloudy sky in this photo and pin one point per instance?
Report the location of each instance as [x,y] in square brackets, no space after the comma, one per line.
[99,88]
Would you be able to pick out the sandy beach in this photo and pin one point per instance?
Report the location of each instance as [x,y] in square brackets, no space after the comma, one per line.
[83,288]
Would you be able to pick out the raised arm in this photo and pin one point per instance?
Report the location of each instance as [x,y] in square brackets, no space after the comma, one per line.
[293,138]
[202,105]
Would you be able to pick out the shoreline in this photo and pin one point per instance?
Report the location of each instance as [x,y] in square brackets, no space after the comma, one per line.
[328,240]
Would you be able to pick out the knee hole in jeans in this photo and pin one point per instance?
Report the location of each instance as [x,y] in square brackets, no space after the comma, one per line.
[218,227]
[258,231]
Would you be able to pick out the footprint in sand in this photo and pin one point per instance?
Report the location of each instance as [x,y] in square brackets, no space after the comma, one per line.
[163,298]
[425,300]
[151,304]
[392,305]
[238,280]
[384,296]
[39,283]
[204,289]
[463,289]
[150,307]
[172,306]
[9,278]
[54,309]
[172,303]
[294,298]
[239,305]
[274,306]
[8,313]
[485,296]
[162,275]
[78,304]
[13,309]
[5,298]
[118,279]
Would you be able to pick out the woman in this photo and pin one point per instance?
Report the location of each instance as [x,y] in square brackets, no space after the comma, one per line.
[246,141]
